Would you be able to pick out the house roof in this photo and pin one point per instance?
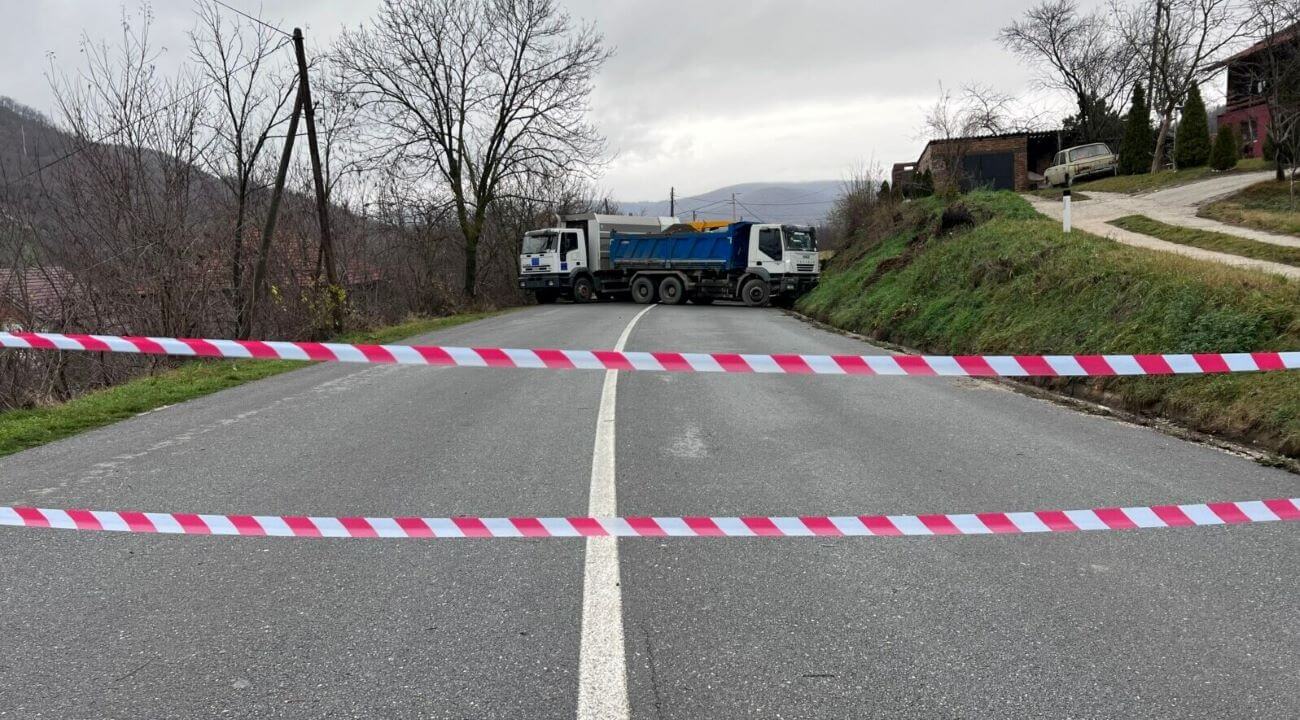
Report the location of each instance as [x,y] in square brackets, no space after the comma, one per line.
[39,290]
[991,136]
[1285,35]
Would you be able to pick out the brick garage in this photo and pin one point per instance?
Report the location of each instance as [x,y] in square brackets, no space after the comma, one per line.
[1014,161]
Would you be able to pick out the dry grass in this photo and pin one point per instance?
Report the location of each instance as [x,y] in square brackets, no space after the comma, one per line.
[1265,206]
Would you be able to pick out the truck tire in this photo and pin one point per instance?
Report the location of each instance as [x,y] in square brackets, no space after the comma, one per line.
[584,290]
[755,292]
[672,291]
[643,290]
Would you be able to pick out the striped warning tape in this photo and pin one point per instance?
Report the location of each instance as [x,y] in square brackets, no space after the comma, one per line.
[1114,518]
[942,365]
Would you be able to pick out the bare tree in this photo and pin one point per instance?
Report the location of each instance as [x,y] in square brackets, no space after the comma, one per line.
[133,227]
[1179,49]
[474,94]
[1076,53]
[853,207]
[253,94]
[956,121]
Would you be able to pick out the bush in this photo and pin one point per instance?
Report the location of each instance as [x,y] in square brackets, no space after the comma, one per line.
[1192,143]
[924,184]
[1226,152]
[1138,146]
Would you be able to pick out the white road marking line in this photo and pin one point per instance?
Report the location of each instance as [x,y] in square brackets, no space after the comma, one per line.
[602,661]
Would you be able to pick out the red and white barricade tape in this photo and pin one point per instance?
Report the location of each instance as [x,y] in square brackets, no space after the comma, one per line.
[1043,521]
[941,365]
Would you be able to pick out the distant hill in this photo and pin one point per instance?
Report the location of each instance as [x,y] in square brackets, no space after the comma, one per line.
[27,140]
[783,202]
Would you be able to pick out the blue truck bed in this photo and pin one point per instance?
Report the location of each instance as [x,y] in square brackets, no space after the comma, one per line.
[725,249]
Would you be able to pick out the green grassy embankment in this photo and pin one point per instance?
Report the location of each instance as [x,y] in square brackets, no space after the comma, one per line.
[1014,283]
[22,429]
[1209,240]
[1265,206]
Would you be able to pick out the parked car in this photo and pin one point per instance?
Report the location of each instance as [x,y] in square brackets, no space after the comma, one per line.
[1084,160]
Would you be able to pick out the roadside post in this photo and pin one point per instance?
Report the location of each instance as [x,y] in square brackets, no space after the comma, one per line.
[1065,210]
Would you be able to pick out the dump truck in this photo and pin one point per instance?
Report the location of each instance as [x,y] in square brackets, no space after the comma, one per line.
[757,263]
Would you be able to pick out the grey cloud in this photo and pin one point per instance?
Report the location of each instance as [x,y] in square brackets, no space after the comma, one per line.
[678,65]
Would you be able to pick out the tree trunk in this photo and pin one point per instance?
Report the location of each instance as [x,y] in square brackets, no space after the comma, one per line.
[471,262]
[1163,133]
[237,258]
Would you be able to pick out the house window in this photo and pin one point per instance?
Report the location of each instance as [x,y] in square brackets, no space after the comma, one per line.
[1249,131]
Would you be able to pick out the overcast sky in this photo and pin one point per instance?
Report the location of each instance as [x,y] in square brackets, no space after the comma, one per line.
[699,94]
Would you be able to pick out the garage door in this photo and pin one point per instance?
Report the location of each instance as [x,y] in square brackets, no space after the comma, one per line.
[995,170]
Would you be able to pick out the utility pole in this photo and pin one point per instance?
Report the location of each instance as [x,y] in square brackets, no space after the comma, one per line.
[322,203]
[672,201]
[268,230]
[733,207]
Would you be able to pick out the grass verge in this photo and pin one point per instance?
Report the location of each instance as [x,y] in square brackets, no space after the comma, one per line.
[1264,206]
[22,429]
[1057,193]
[1014,283]
[1147,182]
[1209,240]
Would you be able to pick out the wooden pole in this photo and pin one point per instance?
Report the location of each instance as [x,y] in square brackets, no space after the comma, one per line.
[268,230]
[322,203]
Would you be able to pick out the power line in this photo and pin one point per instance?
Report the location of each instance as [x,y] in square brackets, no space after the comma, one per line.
[184,98]
[751,210]
[783,204]
[259,21]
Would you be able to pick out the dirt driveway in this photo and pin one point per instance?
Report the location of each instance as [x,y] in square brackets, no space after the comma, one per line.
[1173,206]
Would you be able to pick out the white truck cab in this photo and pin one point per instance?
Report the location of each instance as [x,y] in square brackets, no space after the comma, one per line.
[784,250]
[562,261]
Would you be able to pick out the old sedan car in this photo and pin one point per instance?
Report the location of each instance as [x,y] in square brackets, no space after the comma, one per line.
[1073,163]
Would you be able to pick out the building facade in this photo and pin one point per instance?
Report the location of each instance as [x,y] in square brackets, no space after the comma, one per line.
[1246,109]
[1013,161]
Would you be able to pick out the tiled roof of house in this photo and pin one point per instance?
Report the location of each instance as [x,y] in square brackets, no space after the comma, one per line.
[38,290]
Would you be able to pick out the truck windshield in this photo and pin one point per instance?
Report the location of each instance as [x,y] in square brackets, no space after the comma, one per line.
[796,239]
[539,242]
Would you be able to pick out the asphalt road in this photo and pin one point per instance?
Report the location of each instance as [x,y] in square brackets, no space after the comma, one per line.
[1171,623]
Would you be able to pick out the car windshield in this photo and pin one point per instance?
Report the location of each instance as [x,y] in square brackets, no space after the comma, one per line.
[539,242]
[800,239]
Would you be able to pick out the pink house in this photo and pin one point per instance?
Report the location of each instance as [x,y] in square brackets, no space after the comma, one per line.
[1246,108]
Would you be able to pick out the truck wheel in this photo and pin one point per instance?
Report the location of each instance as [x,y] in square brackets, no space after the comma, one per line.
[643,290]
[545,297]
[672,291]
[755,292]
[584,290]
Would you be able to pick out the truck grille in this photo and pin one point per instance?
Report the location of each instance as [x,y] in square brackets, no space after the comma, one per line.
[537,268]
[804,267]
